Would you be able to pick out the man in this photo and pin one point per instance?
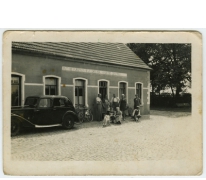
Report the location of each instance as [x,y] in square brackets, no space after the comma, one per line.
[114,102]
[137,103]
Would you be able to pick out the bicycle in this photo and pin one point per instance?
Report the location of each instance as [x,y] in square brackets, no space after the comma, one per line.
[79,114]
[88,115]
[84,114]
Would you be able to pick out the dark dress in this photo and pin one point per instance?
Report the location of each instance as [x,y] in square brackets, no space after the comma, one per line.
[105,105]
[123,104]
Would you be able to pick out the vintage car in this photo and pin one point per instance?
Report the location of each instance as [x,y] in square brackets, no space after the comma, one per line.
[43,111]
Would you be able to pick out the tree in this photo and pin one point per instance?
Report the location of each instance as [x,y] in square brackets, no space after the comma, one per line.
[170,63]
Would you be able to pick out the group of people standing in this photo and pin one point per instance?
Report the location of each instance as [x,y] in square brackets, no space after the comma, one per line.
[119,106]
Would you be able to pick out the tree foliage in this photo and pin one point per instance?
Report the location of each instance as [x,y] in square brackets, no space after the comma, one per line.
[170,63]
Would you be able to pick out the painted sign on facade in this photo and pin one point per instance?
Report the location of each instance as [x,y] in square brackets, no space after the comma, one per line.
[73,69]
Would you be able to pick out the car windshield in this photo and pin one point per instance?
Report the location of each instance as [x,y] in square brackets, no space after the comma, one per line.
[31,101]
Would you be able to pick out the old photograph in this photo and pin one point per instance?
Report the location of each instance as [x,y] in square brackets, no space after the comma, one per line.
[109,103]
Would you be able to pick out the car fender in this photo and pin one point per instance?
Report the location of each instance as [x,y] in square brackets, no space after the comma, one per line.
[70,112]
[22,120]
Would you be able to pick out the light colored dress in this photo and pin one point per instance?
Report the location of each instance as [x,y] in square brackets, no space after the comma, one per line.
[123,104]
[118,117]
[99,109]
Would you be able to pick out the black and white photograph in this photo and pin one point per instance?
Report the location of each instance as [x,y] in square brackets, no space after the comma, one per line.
[102,103]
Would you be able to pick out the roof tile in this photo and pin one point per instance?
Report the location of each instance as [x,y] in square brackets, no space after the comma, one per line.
[111,53]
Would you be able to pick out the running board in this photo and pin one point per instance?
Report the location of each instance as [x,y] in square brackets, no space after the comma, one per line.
[44,126]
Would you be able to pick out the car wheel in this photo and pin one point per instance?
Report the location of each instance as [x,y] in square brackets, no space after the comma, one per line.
[68,121]
[15,127]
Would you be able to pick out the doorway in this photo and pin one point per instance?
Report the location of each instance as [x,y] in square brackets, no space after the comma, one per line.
[79,92]
[15,90]
[122,89]
[103,88]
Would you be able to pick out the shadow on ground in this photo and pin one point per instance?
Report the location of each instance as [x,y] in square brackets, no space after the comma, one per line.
[32,132]
[155,112]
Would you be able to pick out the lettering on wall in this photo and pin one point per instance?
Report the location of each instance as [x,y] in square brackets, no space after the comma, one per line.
[73,69]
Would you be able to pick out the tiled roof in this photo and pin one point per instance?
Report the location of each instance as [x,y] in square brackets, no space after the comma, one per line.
[111,53]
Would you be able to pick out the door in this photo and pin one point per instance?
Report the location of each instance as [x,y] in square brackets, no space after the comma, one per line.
[59,108]
[15,90]
[139,90]
[103,88]
[80,92]
[122,89]
[43,113]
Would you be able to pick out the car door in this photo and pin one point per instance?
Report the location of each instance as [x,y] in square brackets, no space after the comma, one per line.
[43,112]
[58,110]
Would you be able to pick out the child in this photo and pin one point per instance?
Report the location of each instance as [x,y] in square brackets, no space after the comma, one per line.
[106,119]
[136,113]
[112,115]
[118,116]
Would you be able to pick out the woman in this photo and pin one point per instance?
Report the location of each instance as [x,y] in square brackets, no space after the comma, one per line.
[105,105]
[123,105]
[99,107]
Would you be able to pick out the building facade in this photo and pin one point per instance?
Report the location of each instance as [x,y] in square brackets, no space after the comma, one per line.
[79,71]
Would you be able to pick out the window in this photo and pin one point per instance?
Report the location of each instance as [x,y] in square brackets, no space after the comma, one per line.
[79,92]
[16,90]
[51,86]
[45,103]
[31,101]
[139,90]
[122,88]
[59,102]
[68,102]
[103,88]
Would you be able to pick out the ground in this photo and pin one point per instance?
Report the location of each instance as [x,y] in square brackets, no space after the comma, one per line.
[165,136]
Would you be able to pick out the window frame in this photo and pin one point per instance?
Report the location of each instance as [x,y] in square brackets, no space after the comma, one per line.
[136,83]
[50,86]
[58,84]
[126,89]
[108,84]
[22,96]
[78,87]
[19,90]
[85,86]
